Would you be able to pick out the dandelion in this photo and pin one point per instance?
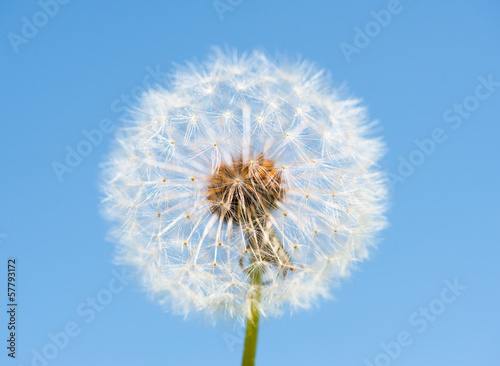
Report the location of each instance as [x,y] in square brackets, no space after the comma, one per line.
[245,188]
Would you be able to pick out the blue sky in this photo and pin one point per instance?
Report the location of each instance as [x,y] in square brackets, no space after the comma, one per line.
[430,74]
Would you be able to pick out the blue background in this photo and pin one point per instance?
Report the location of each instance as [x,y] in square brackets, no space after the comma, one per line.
[444,217]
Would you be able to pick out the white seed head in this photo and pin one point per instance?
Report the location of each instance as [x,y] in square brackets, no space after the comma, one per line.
[195,217]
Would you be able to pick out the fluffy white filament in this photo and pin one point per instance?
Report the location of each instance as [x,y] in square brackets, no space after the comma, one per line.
[155,183]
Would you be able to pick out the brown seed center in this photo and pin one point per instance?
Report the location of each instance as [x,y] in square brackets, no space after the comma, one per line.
[245,191]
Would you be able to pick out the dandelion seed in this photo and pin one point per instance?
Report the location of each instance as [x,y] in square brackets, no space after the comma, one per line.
[274,122]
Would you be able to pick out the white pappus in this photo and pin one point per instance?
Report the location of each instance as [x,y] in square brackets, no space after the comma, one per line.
[241,163]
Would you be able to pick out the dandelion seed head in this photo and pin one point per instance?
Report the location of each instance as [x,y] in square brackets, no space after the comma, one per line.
[244,163]
[259,191]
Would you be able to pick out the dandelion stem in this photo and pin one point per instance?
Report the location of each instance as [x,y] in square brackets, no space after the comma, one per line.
[252,330]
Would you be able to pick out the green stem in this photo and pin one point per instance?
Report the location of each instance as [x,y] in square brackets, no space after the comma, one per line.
[253,321]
